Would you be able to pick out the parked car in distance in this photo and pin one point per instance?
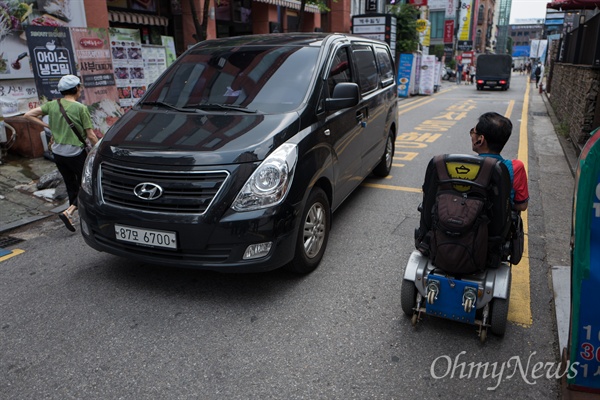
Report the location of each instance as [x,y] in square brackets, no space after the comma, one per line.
[238,154]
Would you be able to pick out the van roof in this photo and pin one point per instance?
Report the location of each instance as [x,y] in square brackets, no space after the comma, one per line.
[279,39]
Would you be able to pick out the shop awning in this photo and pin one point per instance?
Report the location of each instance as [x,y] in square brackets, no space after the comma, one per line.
[574,4]
[139,19]
[294,4]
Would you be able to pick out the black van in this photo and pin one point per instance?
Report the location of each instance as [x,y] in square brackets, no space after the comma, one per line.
[237,155]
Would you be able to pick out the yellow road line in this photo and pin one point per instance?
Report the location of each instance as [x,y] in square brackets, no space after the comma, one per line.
[414,106]
[391,187]
[15,252]
[519,309]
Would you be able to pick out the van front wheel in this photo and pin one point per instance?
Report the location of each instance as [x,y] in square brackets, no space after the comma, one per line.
[385,165]
[313,233]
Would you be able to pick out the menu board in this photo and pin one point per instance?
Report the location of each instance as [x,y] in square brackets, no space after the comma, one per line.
[155,62]
[128,63]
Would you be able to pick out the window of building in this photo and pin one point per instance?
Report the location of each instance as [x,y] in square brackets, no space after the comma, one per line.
[437,24]
[481,14]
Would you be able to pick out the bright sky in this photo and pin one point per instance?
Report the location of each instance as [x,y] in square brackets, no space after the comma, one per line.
[522,9]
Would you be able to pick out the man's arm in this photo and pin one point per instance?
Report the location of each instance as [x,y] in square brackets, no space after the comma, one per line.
[34,115]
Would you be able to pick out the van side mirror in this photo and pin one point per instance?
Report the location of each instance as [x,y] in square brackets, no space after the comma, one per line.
[345,94]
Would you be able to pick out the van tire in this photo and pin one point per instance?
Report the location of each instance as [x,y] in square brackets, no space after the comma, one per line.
[385,165]
[313,231]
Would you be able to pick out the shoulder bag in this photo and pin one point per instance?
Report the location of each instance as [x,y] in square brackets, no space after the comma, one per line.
[72,125]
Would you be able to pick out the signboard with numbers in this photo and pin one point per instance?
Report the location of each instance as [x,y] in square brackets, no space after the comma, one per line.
[376,26]
[584,338]
[51,58]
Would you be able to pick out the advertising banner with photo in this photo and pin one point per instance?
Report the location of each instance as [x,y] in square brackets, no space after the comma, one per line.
[15,62]
[464,27]
[17,96]
[126,49]
[51,57]
[427,78]
[93,55]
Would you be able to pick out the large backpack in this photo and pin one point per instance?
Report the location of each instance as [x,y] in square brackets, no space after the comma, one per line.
[461,196]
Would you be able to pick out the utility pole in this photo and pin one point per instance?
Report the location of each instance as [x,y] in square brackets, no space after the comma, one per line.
[457,29]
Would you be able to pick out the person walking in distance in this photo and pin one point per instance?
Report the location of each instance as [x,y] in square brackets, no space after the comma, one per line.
[459,72]
[71,126]
[538,74]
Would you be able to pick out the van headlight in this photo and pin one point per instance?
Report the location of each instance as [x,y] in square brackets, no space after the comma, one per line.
[86,178]
[270,183]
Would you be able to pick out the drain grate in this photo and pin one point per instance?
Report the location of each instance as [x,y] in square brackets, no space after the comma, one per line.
[9,241]
[539,113]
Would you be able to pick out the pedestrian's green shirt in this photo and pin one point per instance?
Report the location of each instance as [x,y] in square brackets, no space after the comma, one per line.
[61,131]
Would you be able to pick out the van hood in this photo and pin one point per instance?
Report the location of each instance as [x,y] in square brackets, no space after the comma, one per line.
[173,138]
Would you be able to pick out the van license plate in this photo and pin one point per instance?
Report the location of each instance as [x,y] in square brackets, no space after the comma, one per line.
[146,237]
[492,82]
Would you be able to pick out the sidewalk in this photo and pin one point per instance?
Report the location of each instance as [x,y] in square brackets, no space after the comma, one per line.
[21,202]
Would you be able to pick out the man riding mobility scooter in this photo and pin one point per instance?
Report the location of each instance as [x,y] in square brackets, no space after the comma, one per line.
[467,240]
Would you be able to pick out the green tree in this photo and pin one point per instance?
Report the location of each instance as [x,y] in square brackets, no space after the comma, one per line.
[407,37]
[437,50]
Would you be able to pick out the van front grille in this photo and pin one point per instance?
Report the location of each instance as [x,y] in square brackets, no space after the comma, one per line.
[188,192]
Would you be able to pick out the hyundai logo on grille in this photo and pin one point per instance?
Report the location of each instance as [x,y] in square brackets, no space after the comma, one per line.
[148,191]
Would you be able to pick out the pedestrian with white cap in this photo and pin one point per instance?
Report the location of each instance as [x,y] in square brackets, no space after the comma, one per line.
[71,127]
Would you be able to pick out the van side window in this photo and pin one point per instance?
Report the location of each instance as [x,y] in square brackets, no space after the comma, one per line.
[340,70]
[367,68]
[386,70]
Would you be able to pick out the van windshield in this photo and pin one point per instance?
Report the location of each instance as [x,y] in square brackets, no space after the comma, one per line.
[266,79]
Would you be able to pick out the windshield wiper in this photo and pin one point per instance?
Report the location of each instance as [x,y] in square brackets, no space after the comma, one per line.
[218,106]
[167,105]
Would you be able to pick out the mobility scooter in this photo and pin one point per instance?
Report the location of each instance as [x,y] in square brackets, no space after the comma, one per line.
[470,288]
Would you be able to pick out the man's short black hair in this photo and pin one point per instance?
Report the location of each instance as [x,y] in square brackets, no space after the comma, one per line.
[73,90]
[496,128]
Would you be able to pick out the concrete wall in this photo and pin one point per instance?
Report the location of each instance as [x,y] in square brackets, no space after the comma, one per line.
[575,99]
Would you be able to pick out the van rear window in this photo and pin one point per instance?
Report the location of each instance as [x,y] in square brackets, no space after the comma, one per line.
[267,79]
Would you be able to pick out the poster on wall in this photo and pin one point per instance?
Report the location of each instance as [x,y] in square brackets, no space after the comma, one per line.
[93,55]
[155,62]
[169,43]
[15,16]
[51,57]
[464,27]
[17,96]
[128,64]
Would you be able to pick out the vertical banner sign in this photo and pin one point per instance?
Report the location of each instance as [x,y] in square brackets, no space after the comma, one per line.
[450,10]
[466,7]
[51,58]
[584,337]
[92,50]
[405,68]
[427,75]
[126,48]
[449,31]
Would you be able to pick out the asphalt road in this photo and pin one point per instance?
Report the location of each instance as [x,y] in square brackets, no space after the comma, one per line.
[75,323]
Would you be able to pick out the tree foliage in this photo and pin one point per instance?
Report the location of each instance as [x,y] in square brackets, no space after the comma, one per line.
[407,37]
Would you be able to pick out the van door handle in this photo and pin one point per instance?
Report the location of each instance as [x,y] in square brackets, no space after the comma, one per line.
[327,132]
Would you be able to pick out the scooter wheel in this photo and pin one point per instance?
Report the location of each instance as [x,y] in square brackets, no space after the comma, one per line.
[408,297]
[414,319]
[499,316]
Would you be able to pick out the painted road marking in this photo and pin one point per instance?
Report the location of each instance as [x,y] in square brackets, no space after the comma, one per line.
[520,294]
[519,308]
[13,253]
